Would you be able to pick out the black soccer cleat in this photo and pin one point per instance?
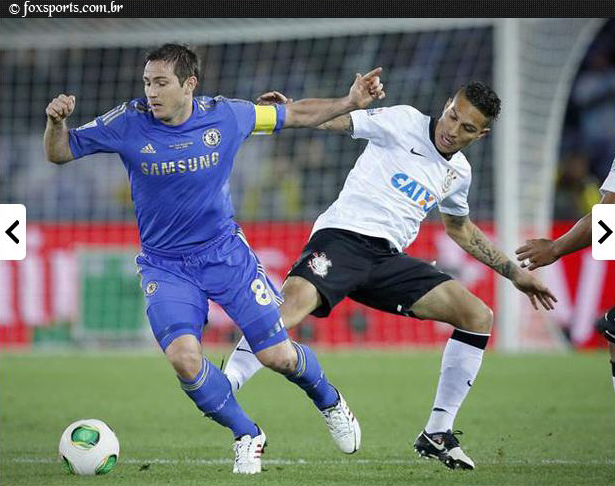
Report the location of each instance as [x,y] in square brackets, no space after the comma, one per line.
[445,447]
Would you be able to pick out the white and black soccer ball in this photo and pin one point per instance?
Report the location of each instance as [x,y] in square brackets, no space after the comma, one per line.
[89,446]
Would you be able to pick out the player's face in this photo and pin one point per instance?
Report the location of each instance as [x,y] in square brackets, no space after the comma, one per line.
[171,102]
[461,124]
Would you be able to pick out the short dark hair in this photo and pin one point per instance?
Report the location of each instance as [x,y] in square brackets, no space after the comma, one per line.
[185,61]
[483,98]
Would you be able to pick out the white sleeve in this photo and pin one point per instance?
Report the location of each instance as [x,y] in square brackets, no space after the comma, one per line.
[374,124]
[456,203]
[609,182]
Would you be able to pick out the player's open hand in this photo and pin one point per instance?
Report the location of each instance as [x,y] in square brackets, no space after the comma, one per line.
[534,289]
[536,253]
[60,108]
[366,88]
[273,98]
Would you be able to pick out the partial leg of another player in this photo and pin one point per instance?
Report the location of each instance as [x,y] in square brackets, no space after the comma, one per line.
[606,327]
[451,302]
[612,354]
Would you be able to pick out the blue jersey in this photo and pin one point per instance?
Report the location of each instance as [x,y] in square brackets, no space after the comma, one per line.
[178,174]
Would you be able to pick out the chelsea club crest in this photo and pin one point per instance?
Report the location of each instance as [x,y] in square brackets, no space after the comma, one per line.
[151,287]
[212,137]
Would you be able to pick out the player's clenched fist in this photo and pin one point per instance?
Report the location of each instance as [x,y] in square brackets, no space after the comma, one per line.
[60,108]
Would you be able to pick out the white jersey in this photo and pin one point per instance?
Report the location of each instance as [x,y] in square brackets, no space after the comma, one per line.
[609,182]
[398,179]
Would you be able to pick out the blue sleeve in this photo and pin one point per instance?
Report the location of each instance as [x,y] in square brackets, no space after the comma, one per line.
[103,134]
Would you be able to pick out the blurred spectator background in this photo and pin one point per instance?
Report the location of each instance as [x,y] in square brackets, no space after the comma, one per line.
[588,142]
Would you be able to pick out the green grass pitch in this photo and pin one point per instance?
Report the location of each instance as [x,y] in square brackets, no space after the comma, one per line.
[530,419]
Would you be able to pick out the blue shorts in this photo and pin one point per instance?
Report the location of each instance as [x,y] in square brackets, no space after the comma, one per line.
[226,271]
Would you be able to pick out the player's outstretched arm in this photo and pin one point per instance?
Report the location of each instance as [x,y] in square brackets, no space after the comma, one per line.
[312,112]
[342,123]
[469,237]
[57,148]
[541,252]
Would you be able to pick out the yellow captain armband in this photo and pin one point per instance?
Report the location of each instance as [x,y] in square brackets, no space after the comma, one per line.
[266,117]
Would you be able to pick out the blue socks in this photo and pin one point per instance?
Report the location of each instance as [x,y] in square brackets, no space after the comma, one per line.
[311,378]
[211,391]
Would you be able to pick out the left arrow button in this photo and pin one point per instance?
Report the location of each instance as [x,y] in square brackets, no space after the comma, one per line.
[10,234]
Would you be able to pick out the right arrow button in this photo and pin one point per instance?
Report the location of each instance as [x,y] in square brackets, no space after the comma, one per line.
[608,233]
[603,226]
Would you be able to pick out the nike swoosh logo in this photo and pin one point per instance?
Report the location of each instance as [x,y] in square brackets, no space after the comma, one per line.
[416,153]
[244,350]
[469,383]
[437,445]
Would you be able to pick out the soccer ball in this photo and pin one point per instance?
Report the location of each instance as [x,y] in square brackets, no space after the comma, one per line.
[89,446]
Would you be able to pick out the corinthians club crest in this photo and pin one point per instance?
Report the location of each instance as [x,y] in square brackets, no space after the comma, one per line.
[212,137]
[450,176]
[319,264]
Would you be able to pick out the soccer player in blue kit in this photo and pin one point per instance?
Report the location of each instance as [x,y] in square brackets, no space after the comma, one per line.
[178,150]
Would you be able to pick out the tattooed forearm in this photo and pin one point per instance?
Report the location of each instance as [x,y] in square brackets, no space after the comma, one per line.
[469,237]
[455,223]
[481,248]
[506,269]
[342,123]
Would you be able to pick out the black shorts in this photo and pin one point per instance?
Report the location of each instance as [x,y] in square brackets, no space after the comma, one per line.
[369,270]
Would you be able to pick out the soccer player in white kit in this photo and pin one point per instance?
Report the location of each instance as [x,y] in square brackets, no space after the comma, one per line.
[540,252]
[411,164]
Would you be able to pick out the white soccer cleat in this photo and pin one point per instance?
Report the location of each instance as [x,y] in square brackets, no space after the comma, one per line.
[248,452]
[343,425]
[455,458]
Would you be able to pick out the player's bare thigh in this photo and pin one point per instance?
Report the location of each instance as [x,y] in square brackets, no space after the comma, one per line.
[451,302]
[300,299]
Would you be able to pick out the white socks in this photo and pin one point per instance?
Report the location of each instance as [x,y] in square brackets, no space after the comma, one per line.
[242,365]
[460,364]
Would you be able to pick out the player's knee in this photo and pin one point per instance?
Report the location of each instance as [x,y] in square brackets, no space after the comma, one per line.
[282,359]
[186,362]
[479,318]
